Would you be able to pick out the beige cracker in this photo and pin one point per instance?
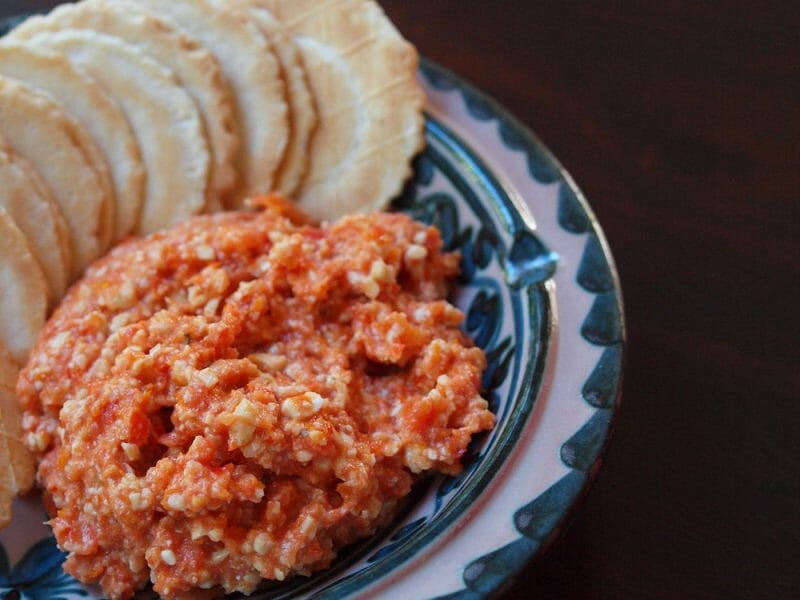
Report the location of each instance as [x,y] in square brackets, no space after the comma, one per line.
[16,463]
[195,67]
[62,229]
[164,118]
[23,291]
[99,115]
[39,130]
[251,69]
[36,217]
[40,188]
[363,78]
[302,112]
[7,483]
[8,487]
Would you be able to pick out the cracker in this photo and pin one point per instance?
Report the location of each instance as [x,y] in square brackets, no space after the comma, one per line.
[39,130]
[7,484]
[302,111]
[251,69]
[96,158]
[23,291]
[97,113]
[9,370]
[363,76]
[165,120]
[41,189]
[36,217]
[7,480]
[197,70]
[19,458]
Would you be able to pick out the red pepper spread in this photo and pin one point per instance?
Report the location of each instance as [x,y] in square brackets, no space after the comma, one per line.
[242,395]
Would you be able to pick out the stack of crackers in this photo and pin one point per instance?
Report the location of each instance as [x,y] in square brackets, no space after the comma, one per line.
[123,117]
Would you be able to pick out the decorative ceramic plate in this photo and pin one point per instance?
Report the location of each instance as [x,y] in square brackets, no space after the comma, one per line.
[542,299]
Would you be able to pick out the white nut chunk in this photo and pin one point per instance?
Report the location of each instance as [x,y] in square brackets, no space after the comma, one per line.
[244,423]
[415,253]
[268,363]
[131,451]
[176,502]
[303,405]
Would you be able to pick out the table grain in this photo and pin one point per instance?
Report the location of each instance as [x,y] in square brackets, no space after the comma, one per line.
[681,123]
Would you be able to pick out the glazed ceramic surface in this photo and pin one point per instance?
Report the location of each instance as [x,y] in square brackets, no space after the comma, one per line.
[541,297]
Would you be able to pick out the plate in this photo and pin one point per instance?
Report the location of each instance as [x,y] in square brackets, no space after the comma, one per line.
[542,298]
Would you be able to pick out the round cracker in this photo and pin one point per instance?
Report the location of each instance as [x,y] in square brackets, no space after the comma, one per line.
[165,120]
[302,111]
[9,369]
[195,67]
[99,115]
[363,76]
[36,218]
[39,130]
[23,291]
[7,484]
[251,68]
[108,207]
[20,463]
[41,189]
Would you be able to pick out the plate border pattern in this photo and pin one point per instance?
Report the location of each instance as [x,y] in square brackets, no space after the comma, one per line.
[541,521]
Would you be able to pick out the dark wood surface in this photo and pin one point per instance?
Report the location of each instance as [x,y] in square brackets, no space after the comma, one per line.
[681,122]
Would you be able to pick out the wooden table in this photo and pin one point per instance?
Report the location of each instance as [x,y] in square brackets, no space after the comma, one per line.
[681,122]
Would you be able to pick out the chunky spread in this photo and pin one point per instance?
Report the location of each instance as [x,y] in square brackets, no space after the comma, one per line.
[242,395]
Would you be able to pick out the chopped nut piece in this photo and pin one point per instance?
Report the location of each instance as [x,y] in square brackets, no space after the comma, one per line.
[131,451]
[269,363]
